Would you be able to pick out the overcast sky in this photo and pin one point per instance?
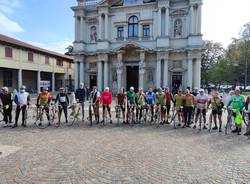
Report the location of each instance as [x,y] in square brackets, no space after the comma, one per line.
[50,24]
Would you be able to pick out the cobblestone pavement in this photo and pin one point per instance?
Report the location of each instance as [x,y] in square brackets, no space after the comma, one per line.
[122,154]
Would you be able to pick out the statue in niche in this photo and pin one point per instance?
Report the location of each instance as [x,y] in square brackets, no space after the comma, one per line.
[177,28]
[93,34]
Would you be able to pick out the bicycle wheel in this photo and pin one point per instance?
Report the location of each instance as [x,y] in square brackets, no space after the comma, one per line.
[210,122]
[40,122]
[229,123]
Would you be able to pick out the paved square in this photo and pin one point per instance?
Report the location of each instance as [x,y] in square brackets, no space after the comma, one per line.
[122,154]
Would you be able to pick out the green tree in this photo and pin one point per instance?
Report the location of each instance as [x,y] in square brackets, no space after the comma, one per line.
[212,53]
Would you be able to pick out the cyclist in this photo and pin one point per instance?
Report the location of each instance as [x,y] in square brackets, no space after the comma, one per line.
[151,99]
[7,99]
[179,100]
[43,102]
[22,99]
[169,98]
[160,104]
[188,108]
[140,100]
[238,103]
[247,109]
[130,100]
[121,100]
[217,106]
[106,100]
[81,95]
[95,98]
[63,100]
[201,101]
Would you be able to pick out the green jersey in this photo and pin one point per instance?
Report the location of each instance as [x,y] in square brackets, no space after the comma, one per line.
[238,102]
[140,99]
[131,97]
[160,98]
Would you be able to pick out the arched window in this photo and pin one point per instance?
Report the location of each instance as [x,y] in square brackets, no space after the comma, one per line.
[133,26]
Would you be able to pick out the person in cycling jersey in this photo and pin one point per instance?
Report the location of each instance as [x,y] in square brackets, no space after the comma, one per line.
[43,102]
[94,97]
[140,100]
[7,99]
[130,100]
[217,106]
[160,103]
[169,98]
[188,108]
[106,100]
[238,103]
[201,101]
[178,104]
[63,100]
[121,101]
[151,99]
[247,110]
[22,99]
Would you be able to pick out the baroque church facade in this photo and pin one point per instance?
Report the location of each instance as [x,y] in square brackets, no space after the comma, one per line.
[140,43]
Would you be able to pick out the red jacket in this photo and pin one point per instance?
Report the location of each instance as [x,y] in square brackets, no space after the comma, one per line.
[106,98]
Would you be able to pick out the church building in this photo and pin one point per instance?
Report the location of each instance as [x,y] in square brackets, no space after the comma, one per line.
[139,43]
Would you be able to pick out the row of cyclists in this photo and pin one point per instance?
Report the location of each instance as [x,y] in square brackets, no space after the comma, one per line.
[188,106]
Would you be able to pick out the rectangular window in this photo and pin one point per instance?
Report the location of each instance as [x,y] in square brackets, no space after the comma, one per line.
[59,62]
[146,31]
[7,78]
[8,52]
[30,56]
[120,32]
[46,60]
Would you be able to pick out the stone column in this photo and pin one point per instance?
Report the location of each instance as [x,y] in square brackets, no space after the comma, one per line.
[199,14]
[159,22]
[167,22]
[100,28]
[82,72]
[106,26]
[99,75]
[158,73]
[119,69]
[119,78]
[192,19]
[76,28]
[197,72]
[76,83]
[165,74]
[81,29]
[190,73]
[38,81]
[53,82]
[20,78]
[105,73]
[142,69]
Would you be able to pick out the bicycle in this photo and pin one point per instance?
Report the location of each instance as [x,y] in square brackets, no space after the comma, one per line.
[90,113]
[105,116]
[1,114]
[131,114]
[158,116]
[229,123]
[74,115]
[210,121]
[39,118]
[174,115]
[118,111]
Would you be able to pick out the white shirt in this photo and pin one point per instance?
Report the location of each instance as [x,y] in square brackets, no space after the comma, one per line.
[22,98]
[201,101]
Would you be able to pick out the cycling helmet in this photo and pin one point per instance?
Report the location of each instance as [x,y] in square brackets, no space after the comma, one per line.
[132,88]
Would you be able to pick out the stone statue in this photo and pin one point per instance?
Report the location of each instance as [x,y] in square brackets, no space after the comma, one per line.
[177,28]
[150,75]
[114,75]
[93,34]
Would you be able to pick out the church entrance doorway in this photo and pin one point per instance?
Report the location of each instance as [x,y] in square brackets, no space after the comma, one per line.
[92,81]
[176,81]
[132,77]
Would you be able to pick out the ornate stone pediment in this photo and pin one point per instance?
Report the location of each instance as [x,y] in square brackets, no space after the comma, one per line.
[179,13]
